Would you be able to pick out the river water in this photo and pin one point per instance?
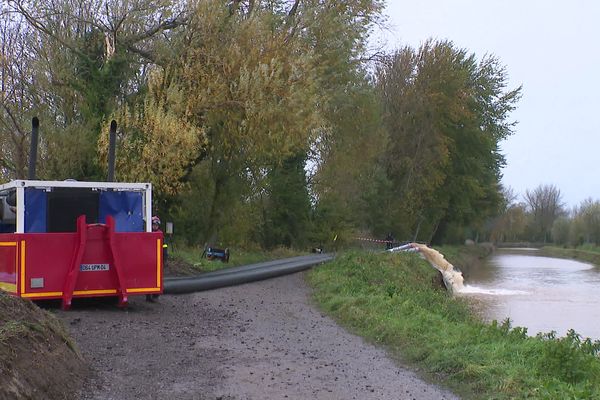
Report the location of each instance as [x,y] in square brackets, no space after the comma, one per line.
[541,293]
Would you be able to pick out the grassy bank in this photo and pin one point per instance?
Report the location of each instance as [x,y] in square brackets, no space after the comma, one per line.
[189,260]
[392,299]
[586,254]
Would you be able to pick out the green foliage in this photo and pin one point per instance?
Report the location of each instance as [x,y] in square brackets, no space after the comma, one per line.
[98,77]
[584,253]
[83,60]
[510,225]
[210,203]
[193,255]
[347,181]
[544,217]
[155,145]
[586,223]
[259,83]
[286,208]
[248,84]
[214,99]
[589,248]
[561,230]
[445,114]
[390,299]
[570,358]
[249,88]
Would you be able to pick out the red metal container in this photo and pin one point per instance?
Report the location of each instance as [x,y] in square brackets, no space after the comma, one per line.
[97,259]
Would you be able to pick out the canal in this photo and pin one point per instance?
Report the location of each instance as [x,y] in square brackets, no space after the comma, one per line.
[542,294]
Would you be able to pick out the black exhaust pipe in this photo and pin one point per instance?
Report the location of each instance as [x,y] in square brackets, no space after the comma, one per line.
[35,126]
[112,139]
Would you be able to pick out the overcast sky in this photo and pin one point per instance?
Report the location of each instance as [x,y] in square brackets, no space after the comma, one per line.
[550,47]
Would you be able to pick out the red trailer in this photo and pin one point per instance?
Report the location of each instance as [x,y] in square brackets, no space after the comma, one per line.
[65,239]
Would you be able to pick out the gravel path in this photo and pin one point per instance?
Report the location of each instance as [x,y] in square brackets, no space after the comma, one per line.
[262,340]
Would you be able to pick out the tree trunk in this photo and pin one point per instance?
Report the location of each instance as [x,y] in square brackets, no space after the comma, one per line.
[210,234]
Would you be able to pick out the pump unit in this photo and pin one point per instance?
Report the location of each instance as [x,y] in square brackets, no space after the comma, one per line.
[65,239]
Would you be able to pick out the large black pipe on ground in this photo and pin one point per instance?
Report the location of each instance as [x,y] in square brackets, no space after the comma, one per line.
[35,126]
[248,267]
[112,143]
[239,275]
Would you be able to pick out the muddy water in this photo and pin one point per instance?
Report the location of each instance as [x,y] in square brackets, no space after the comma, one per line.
[541,293]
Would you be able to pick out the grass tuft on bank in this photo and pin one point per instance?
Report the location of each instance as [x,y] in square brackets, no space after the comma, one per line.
[395,300]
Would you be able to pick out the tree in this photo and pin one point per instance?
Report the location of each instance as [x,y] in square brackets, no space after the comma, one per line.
[18,97]
[346,179]
[342,155]
[511,223]
[445,114]
[587,221]
[254,80]
[286,208]
[155,145]
[88,57]
[545,205]
[561,230]
[243,93]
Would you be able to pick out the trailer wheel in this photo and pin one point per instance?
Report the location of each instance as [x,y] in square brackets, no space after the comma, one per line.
[152,298]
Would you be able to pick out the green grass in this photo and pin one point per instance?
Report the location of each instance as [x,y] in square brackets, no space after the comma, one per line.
[10,329]
[587,253]
[392,300]
[589,248]
[192,256]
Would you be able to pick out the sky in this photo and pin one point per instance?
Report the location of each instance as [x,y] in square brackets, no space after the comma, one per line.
[552,49]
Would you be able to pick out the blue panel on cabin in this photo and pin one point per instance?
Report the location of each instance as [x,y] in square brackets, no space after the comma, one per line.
[125,207]
[35,210]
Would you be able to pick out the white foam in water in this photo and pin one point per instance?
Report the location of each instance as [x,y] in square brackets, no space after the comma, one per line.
[452,278]
[468,289]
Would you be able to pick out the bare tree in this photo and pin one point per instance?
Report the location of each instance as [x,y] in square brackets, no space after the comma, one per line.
[510,197]
[71,63]
[133,25]
[545,205]
[17,97]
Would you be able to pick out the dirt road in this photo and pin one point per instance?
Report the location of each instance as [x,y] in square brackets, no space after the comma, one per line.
[262,340]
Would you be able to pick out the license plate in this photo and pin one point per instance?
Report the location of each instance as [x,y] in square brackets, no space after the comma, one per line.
[94,267]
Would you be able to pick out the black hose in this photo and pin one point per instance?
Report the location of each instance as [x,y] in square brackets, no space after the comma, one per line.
[249,267]
[239,275]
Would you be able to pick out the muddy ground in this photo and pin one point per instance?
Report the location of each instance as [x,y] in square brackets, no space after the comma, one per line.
[262,340]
